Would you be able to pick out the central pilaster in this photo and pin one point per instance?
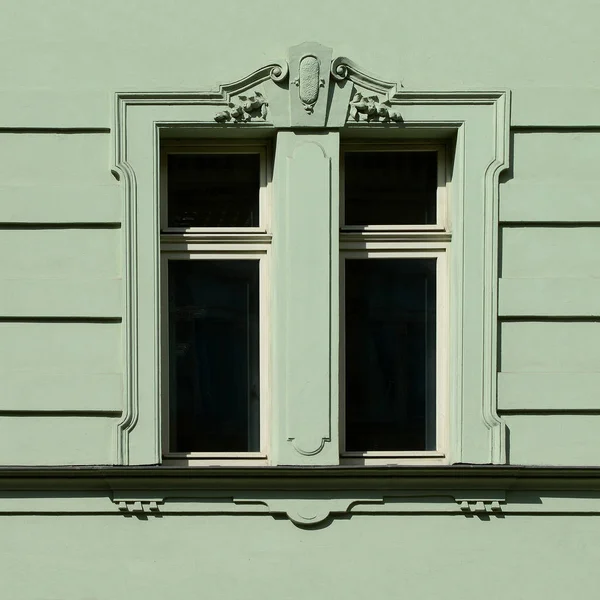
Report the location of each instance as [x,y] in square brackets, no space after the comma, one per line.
[306,299]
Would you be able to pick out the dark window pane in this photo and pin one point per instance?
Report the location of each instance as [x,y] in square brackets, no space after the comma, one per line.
[390,188]
[390,354]
[213,190]
[214,355]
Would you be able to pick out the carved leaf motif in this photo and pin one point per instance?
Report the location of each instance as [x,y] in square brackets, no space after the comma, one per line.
[246,108]
[371,109]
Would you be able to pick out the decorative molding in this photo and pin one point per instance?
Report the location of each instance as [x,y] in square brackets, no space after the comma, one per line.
[309,72]
[306,368]
[309,82]
[343,68]
[136,506]
[478,433]
[369,108]
[245,109]
[307,512]
[276,70]
[478,507]
[501,161]
[482,503]
[124,173]
[307,497]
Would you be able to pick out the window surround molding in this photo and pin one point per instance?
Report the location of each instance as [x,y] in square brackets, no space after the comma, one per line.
[307,103]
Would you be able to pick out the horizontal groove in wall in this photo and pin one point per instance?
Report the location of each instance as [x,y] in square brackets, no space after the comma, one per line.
[30,226]
[554,345]
[61,413]
[61,390]
[8,319]
[560,393]
[40,201]
[551,224]
[60,130]
[549,298]
[566,202]
[56,439]
[62,297]
[548,319]
[549,252]
[555,129]
[554,439]
[549,411]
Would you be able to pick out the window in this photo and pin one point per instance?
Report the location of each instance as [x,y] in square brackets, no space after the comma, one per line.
[215,245]
[394,241]
[309,304]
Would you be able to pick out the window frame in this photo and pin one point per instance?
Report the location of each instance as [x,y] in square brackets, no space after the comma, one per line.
[479,123]
[176,146]
[218,243]
[380,242]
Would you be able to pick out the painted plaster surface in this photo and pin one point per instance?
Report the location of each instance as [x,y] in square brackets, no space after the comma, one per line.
[63,278]
[545,557]
[55,176]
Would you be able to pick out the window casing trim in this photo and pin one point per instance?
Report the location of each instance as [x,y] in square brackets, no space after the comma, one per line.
[480,120]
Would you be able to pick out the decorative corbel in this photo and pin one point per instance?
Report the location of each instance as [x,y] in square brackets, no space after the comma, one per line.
[490,504]
[136,506]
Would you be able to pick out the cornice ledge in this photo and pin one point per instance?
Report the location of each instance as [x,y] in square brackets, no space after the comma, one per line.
[275,70]
[387,476]
[449,96]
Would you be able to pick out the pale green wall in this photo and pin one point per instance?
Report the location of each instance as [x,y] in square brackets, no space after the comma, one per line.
[75,558]
[61,293]
[66,61]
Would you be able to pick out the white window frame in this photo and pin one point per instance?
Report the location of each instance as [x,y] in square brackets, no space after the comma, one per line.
[218,243]
[404,242]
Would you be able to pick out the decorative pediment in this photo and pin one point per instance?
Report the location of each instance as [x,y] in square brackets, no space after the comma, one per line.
[309,89]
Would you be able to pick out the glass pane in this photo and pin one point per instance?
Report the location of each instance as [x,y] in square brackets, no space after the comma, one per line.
[213,190]
[390,354]
[390,188]
[214,355]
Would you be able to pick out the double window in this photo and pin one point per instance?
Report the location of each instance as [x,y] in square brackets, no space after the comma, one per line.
[215,245]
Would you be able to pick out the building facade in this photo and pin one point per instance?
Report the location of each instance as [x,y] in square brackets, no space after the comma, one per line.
[327,328]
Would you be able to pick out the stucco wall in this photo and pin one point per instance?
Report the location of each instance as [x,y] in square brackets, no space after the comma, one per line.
[61,345]
[425,557]
[62,298]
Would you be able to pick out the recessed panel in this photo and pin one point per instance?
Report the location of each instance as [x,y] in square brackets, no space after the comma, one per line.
[390,188]
[214,356]
[213,190]
[390,328]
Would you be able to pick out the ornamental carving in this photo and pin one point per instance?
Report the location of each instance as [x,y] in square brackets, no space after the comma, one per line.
[309,82]
[369,108]
[247,108]
[309,89]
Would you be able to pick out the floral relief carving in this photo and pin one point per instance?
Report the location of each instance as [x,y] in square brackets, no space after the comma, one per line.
[369,108]
[246,108]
